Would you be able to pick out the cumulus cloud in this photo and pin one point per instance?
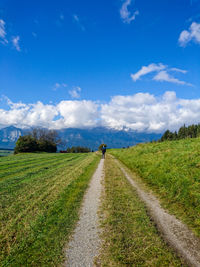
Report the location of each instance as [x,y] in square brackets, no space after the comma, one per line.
[3,32]
[147,113]
[125,14]
[193,34]
[28,115]
[141,112]
[162,73]
[77,114]
[66,114]
[75,92]
[15,42]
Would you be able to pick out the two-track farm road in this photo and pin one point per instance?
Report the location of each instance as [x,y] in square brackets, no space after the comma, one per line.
[85,243]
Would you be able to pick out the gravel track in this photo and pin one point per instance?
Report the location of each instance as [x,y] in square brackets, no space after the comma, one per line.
[176,234]
[85,242]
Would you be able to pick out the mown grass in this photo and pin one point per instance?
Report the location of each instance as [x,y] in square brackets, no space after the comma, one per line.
[40,196]
[129,236]
[172,170]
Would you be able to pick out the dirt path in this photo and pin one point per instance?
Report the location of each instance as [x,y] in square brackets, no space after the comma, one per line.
[85,242]
[174,232]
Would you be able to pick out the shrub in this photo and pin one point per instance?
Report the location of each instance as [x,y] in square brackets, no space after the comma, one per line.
[26,144]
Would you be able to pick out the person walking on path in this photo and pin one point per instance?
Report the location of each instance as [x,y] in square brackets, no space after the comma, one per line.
[103,149]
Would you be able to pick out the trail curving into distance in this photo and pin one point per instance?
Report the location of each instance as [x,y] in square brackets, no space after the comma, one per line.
[85,242]
[174,231]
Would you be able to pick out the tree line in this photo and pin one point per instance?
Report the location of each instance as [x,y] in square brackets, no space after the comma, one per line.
[191,131]
[38,140]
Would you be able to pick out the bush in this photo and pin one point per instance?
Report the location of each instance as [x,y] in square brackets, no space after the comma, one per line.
[26,144]
[38,140]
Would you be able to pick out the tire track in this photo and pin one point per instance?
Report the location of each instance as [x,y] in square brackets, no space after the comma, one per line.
[176,234]
[85,242]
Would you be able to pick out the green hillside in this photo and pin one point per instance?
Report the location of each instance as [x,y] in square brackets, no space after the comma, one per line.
[172,170]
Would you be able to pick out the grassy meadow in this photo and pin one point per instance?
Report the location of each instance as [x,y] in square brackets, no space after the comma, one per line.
[172,170]
[40,196]
[129,236]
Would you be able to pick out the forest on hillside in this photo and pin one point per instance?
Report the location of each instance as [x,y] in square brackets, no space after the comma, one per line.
[191,131]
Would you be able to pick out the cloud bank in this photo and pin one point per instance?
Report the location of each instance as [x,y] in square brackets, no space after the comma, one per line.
[142,112]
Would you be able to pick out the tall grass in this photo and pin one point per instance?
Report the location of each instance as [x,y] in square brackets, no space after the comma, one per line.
[172,170]
[40,195]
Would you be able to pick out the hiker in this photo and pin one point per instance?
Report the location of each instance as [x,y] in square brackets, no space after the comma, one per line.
[103,151]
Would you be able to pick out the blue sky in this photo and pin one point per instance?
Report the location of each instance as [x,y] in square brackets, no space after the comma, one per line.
[89,63]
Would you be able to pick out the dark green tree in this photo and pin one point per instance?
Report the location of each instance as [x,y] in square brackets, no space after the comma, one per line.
[42,140]
[26,144]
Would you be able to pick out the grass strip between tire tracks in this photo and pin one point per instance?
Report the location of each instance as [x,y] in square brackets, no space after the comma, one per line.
[129,236]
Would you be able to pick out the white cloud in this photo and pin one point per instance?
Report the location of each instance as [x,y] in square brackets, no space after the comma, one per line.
[59,85]
[147,69]
[77,114]
[141,112]
[28,115]
[15,42]
[66,114]
[178,70]
[75,92]
[193,34]
[162,73]
[163,76]
[3,32]
[145,112]
[125,14]
[3,39]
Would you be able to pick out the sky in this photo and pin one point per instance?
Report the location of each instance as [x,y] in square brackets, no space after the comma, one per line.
[123,64]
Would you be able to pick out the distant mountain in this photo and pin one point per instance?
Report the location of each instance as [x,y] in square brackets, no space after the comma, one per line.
[83,137]
[9,136]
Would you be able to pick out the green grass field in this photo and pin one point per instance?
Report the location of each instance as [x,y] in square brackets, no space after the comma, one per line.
[172,170]
[40,196]
[130,237]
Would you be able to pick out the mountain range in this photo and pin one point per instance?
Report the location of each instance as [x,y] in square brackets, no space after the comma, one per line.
[91,138]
